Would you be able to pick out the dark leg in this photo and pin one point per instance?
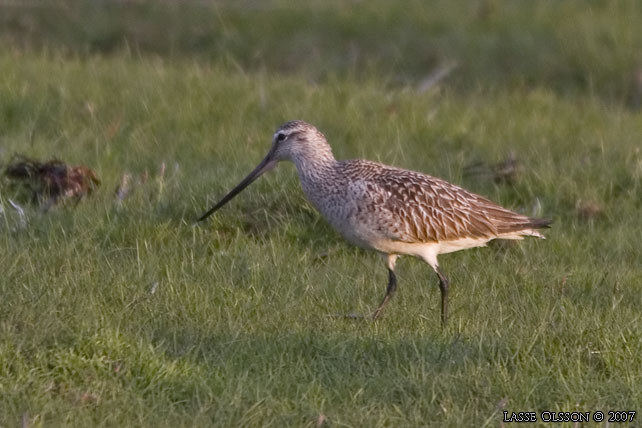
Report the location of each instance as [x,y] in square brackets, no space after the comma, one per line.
[392,286]
[443,287]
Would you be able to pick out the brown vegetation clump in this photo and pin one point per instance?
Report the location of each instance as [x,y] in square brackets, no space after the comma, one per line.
[53,181]
[588,210]
[507,171]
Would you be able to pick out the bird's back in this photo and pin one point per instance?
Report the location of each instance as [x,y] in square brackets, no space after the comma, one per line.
[412,207]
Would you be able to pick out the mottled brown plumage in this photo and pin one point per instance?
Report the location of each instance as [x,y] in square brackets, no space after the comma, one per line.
[387,209]
[423,209]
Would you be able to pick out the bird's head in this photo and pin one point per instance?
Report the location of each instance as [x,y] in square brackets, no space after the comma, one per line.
[296,141]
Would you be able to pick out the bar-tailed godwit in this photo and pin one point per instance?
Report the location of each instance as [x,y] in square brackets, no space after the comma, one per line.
[390,210]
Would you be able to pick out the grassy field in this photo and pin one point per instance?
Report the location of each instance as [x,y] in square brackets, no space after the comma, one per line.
[123,313]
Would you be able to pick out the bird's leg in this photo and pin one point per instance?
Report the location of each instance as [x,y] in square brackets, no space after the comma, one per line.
[392,285]
[443,287]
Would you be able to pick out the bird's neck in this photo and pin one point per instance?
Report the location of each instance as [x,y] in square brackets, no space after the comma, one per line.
[315,171]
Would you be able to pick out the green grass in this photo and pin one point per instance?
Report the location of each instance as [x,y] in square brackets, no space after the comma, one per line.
[578,46]
[240,329]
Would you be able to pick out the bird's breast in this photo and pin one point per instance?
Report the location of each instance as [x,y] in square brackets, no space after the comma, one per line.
[347,214]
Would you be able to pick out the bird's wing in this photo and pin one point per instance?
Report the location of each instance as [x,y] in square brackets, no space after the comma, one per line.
[414,207]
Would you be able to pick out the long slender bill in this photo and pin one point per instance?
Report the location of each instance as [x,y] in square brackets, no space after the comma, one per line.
[266,164]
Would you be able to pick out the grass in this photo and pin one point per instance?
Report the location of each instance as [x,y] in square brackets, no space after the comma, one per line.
[126,314]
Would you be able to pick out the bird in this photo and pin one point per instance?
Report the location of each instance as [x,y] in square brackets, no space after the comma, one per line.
[390,210]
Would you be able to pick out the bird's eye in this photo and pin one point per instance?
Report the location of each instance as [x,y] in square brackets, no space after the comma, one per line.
[280,137]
